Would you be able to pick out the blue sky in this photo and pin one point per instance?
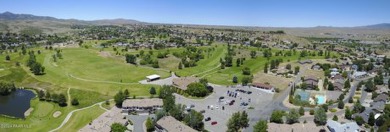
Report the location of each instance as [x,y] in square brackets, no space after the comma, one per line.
[274,13]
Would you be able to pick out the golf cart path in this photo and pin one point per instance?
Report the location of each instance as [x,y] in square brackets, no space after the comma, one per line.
[97,81]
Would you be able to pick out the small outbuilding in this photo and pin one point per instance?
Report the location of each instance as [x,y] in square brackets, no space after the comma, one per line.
[152,77]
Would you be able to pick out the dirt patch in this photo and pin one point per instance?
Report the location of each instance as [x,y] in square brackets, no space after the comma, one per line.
[105,54]
[314,73]
[28,112]
[57,114]
[276,81]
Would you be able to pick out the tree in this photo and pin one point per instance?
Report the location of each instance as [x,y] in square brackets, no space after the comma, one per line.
[301,111]
[194,119]
[126,93]
[288,66]
[180,65]
[330,87]
[388,83]
[348,114]
[296,70]
[358,107]
[266,67]
[48,96]
[62,100]
[75,101]
[245,80]
[235,79]
[7,58]
[260,126]
[371,119]
[234,123]
[369,86]
[292,117]
[152,91]
[244,120]
[253,54]
[320,116]
[380,120]
[359,120]
[117,127]
[149,125]
[197,89]
[238,62]
[340,104]
[335,118]
[277,116]
[246,71]
[119,98]
[41,94]
[130,58]
[347,84]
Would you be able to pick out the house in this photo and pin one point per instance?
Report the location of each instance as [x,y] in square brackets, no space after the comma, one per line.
[263,86]
[381,97]
[378,106]
[316,67]
[170,124]
[312,82]
[305,62]
[141,105]
[152,77]
[183,82]
[338,85]
[334,126]
[359,74]
[338,77]
[297,127]
[366,113]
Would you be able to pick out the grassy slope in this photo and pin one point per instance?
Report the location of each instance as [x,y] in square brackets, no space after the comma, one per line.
[81,118]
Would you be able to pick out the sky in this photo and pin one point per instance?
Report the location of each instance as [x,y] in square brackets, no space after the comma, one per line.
[265,13]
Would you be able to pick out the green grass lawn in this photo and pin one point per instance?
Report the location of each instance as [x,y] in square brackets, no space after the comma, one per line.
[81,118]
[205,64]
[41,118]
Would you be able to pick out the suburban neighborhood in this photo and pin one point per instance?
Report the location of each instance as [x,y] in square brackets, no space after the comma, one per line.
[194,66]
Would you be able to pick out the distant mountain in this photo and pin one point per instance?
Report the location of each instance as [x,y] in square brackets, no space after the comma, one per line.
[378,26]
[12,16]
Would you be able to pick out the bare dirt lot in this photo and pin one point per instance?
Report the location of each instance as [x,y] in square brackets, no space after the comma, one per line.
[276,81]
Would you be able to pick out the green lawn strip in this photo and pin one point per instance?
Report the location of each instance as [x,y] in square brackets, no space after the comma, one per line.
[87,98]
[204,64]
[81,118]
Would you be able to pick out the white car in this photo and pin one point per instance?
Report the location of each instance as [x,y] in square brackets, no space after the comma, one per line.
[216,107]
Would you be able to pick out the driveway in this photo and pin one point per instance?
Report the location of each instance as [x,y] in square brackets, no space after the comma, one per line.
[138,121]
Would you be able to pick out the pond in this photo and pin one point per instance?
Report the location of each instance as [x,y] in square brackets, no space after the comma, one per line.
[17,103]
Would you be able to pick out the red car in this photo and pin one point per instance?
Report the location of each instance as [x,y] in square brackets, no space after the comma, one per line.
[214,123]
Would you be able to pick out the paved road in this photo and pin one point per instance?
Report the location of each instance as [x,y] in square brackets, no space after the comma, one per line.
[264,112]
[138,121]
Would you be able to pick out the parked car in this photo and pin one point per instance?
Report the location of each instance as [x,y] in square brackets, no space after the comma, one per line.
[192,105]
[249,92]
[222,97]
[214,123]
[203,111]
[207,119]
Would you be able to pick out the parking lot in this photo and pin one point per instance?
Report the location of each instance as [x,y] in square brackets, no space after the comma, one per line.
[220,110]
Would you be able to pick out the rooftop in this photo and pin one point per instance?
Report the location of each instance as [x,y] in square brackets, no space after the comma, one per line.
[337,127]
[142,102]
[172,125]
[297,127]
[154,76]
